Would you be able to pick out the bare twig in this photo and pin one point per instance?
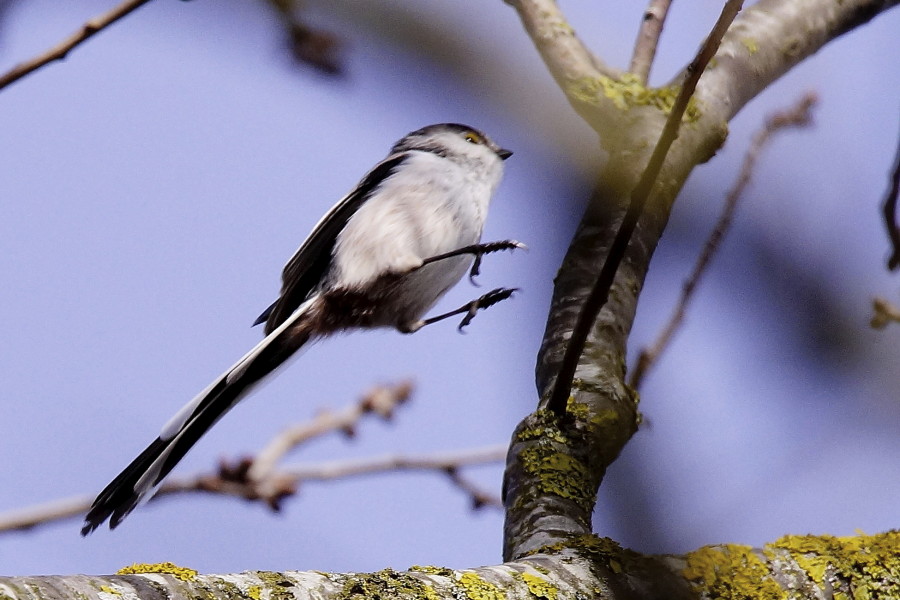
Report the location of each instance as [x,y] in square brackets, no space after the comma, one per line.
[648,37]
[251,478]
[60,51]
[884,312]
[600,292]
[42,514]
[381,400]
[232,481]
[281,483]
[480,498]
[797,116]
[890,214]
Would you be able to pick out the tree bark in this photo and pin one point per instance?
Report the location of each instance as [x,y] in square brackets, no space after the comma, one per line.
[555,466]
[798,567]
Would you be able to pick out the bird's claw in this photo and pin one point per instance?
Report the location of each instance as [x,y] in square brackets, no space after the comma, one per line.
[485,301]
[482,249]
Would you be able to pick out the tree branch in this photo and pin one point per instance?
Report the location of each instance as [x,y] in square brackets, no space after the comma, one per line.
[232,480]
[796,116]
[771,37]
[566,57]
[602,410]
[381,400]
[800,567]
[743,66]
[310,45]
[890,213]
[600,292]
[60,51]
[648,37]
[559,455]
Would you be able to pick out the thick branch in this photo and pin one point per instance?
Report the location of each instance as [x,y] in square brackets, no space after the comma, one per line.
[602,408]
[799,567]
[600,291]
[771,37]
[762,44]
[559,456]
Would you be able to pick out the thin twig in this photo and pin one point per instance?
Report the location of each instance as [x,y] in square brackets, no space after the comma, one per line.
[883,313]
[42,514]
[227,482]
[381,400]
[60,51]
[397,462]
[797,116]
[648,37]
[890,214]
[281,483]
[479,497]
[600,292]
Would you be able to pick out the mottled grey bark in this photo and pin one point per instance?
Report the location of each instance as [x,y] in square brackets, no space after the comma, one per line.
[549,504]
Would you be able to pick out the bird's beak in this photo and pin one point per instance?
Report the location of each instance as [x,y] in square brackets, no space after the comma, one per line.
[503,153]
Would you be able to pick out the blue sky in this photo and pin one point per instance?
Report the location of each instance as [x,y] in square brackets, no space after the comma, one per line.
[156,181]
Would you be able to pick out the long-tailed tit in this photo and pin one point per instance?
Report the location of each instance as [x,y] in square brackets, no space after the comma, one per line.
[381,257]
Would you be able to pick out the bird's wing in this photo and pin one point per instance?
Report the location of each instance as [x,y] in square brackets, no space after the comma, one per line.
[305,269]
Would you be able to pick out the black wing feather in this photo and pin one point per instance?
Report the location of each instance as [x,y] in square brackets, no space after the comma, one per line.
[309,264]
[121,496]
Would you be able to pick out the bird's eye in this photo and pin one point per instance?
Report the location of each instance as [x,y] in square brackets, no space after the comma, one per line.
[473,138]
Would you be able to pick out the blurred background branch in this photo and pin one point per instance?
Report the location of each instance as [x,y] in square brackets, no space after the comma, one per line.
[309,45]
[799,115]
[884,312]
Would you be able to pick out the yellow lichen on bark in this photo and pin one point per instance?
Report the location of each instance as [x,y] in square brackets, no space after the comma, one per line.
[166,568]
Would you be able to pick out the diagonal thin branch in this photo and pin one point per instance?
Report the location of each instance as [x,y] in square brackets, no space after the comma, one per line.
[479,497]
[648,37]
[60,51]
[566,57]
[381,400]
[600,292]
[890,214]
[796,116]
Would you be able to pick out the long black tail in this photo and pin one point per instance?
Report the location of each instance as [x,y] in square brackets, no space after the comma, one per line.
[138,481]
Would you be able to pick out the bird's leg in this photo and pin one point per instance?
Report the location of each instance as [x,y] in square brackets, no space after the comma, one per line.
[478,250]
[470,309]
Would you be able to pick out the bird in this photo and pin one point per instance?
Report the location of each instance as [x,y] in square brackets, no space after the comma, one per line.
[381,257]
